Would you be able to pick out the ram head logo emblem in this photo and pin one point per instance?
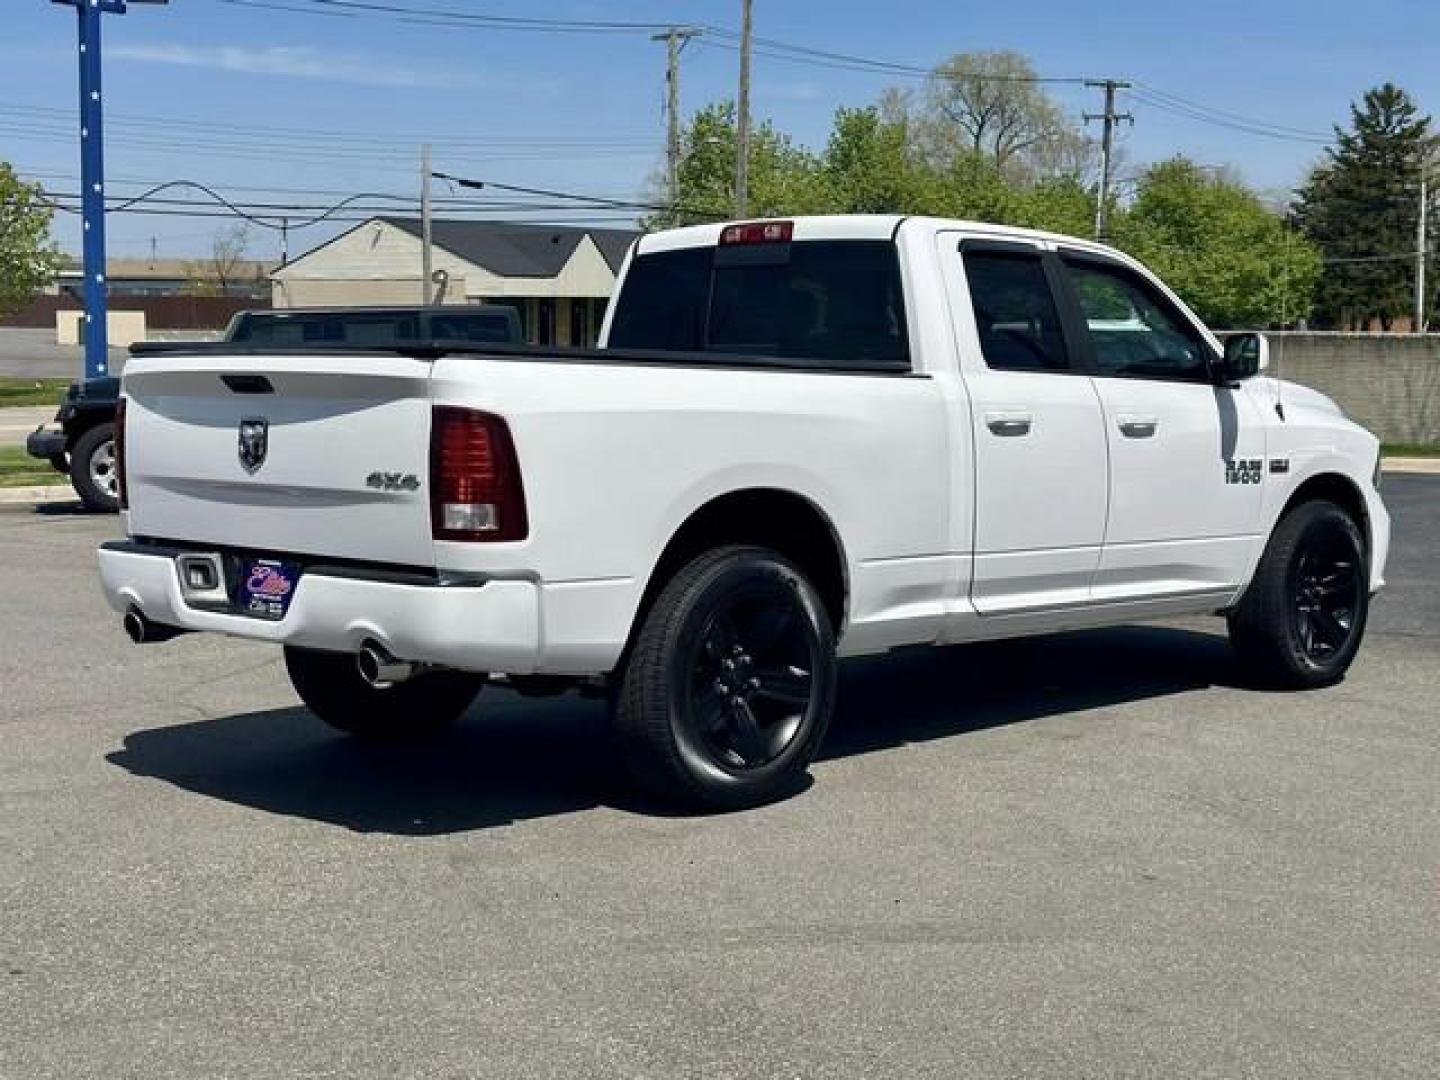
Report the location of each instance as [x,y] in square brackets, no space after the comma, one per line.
[254,442]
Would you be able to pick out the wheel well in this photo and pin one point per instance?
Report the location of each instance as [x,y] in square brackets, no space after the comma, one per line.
[82,423]
[1337,489]
[780,520]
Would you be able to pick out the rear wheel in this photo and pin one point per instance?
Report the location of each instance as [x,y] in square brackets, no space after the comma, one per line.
[728,691]
[1301,621]
[332,688]
[92,469]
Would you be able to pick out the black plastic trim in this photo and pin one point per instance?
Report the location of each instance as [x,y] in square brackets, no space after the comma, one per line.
[248,384]
[549,354]
[322,566]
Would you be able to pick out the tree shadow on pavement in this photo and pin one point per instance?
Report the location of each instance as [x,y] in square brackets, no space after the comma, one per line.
[513,759]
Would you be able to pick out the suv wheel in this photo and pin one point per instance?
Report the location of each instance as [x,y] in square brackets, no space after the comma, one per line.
[728,690]
[92,469]
[1300,622]
[331,686]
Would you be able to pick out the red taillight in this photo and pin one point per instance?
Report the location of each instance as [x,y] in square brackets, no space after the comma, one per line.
[120,454]
[758,232]
[475,489]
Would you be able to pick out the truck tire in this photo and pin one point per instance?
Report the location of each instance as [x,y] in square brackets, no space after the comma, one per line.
[92,469]
[728,689]
[1300,622]
[332,688]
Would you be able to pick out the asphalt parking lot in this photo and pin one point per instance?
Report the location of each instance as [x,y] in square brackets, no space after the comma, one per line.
[33,353]
[1095,854]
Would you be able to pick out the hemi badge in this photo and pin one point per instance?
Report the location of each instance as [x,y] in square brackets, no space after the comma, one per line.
[1279,465]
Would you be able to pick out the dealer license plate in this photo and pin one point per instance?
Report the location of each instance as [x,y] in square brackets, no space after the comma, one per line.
[266,587]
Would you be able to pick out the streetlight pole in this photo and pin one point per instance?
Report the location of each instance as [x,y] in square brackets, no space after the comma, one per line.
[1421,242]
[92,177]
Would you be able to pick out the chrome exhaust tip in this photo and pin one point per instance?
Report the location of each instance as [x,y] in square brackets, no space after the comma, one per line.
[379,668]
[142,631]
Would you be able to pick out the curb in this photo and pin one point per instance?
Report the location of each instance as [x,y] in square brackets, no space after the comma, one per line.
[45,493]
[1428,466]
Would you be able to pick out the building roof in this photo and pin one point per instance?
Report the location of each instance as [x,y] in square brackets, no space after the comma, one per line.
[511,249]
[168,269]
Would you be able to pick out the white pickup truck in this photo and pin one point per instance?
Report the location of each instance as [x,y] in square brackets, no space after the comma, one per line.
[798,439]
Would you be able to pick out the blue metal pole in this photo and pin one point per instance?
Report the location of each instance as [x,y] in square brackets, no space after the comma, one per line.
[92,182]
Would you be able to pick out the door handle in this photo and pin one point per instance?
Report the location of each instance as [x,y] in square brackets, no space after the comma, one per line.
[1008,425]
[1137,427]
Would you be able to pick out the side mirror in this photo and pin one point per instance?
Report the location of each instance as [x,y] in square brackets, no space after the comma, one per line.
[1246,355]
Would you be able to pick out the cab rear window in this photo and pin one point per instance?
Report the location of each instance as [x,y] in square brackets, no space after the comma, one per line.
[827,303]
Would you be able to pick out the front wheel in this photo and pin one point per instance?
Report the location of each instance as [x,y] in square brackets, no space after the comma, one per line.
[1300,622]
[331,686]
[728,690]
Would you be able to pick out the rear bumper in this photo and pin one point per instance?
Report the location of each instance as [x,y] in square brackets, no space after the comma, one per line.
[481,627]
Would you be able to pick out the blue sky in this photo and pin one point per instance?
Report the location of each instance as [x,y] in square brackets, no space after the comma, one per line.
[195,90]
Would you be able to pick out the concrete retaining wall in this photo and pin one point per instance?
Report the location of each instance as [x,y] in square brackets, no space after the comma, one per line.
[1388,382]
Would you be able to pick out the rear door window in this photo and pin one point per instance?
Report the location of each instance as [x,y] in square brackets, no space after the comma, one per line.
[836,304]
[1015,312]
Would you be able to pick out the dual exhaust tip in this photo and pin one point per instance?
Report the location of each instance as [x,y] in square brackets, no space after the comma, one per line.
[376,664]
[379,668]
[142,631]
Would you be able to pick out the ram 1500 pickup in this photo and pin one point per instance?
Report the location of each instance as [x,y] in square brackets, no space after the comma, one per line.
[798,440]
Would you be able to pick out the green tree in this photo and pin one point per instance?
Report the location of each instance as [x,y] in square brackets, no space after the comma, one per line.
[1061,204]
[1231,258]
[784,178]
[989,104]
[869,168]
[870,165]
[1360,206]
[28,259]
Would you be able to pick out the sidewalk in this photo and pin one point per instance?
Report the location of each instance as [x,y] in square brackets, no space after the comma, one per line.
[1426,465]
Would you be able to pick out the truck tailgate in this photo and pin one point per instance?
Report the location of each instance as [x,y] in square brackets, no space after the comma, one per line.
[313,455]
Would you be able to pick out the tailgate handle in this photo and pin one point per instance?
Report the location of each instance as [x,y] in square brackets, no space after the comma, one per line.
[248,384]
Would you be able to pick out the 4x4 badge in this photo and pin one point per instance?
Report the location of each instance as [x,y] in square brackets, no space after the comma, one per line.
[254,442]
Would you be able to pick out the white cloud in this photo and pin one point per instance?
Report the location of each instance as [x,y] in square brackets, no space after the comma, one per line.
[292,61]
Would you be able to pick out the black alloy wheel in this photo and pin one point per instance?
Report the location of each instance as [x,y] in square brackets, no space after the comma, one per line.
[751,679]
[1326,588]
[726,693]
[1302,618]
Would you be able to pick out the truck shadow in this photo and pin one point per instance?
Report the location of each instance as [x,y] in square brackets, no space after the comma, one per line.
[514,759]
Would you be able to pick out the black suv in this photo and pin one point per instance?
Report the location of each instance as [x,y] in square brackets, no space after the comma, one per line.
[81,440]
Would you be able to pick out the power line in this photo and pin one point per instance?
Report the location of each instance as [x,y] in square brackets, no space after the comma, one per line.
[594,199]
[452,17]
[313,135]
[1177,100]
[1218,119]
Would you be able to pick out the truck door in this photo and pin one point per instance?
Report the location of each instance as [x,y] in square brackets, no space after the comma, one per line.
[1040,467]
[1187,456]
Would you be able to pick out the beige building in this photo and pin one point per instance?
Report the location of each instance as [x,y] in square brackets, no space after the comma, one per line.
[558,278]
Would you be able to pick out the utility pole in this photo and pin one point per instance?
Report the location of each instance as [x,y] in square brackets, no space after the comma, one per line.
[1420,245]
[675,40]
[284,241]
[1107,149]
[92,177]
[742,122]
[425,224]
